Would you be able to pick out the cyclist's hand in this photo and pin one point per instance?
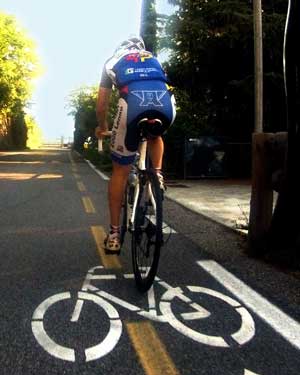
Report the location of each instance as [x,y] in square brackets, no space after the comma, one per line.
[101,132]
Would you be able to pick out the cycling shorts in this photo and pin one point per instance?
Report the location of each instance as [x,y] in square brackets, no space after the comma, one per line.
[140,99]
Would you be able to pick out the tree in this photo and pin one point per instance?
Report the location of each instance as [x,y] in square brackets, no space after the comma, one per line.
[211,44]
[82,104]
[148,28]
[34,133]
[19,67]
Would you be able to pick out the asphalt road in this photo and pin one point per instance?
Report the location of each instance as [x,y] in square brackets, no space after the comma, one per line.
[66,308]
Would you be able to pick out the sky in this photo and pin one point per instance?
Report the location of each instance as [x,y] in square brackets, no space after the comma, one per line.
[73,40]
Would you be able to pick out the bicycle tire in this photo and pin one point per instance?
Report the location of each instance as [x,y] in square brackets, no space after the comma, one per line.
[147,236]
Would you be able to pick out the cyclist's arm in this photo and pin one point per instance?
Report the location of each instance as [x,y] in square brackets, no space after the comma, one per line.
[102,108]
[102,105]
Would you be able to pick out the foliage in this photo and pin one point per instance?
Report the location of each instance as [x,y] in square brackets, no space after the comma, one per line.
[82,104]
[211,62]
[19,67]
[148,29]
[101,160]
[18,130]
[34,133]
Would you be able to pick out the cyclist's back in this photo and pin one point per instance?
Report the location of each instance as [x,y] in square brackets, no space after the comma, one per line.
[144,92]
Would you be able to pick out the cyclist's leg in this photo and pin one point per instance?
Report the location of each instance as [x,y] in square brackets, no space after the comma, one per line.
[122,158]
[156,151]
[116,190]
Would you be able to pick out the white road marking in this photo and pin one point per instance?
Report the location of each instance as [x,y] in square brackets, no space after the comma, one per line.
[247,372]
[68,354]
[102,175]
[101,277]
[118,301]
[247,330]
[166,229]
[128,276]
[41,335]
[49,345]
[77,310]
[243,335]
[151,298]
[272,315]
[151,314]
[114,333]
[43,307]
[165,308]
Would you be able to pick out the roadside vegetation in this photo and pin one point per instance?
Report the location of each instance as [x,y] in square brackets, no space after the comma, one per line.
[19,67]
[211,65]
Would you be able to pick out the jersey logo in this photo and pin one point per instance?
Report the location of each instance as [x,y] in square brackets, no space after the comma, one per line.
[136,57]
[148,97]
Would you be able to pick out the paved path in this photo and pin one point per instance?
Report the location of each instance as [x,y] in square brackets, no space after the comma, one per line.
[225,201]
[67,308]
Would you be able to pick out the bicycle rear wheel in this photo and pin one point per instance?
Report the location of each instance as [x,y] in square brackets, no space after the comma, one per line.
[147,237]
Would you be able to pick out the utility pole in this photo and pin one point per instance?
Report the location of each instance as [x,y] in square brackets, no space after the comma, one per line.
[261,204]
[258,65]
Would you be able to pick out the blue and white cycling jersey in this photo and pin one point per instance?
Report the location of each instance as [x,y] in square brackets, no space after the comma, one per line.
[144,92]
[131,67]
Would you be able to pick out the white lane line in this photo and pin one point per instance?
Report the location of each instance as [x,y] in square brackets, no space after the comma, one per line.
[165,227]
[247,372]
[272,315]
[102,175]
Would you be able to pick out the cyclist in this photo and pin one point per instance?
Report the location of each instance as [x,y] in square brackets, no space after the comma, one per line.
[143,93]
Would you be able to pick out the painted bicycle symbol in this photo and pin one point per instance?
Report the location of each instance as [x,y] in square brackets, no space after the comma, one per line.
[163,311]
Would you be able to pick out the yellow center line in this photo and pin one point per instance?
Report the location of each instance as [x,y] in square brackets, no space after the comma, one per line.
[88,205]
[152,353]
[108,261]
[81,186]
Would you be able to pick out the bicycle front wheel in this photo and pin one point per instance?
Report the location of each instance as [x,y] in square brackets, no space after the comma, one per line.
[147,237]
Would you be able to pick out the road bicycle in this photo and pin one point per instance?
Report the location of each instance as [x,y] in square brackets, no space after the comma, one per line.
[177,306]
[142,212]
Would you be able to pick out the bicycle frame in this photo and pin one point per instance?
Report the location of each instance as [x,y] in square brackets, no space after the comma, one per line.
[141,167]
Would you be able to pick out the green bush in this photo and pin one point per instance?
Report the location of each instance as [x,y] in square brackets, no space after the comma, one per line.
[102,160]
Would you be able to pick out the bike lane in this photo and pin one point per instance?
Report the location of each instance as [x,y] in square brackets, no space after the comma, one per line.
[205,329]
